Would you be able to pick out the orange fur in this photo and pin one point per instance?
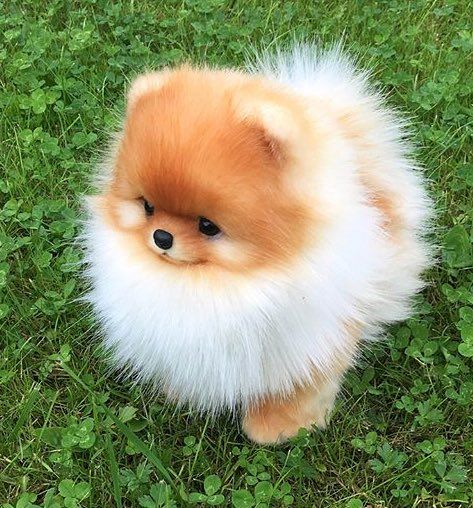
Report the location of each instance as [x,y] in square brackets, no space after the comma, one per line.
[275,419]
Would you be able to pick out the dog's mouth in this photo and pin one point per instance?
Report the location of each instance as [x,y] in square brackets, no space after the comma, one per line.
[170,259]
[167,258]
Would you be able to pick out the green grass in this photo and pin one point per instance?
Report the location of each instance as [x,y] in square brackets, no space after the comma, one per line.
[72,436]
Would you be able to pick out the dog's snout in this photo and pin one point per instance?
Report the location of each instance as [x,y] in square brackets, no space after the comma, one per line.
[163,239]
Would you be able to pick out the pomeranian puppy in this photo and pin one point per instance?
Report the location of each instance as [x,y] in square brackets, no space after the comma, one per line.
[251,230]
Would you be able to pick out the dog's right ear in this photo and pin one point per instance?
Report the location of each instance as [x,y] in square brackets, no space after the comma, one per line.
[271,117]
[144,84]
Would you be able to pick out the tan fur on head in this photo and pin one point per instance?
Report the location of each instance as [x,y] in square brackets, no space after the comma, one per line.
[190,140]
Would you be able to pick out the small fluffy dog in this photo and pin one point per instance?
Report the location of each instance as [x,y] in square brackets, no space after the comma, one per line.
[251,230]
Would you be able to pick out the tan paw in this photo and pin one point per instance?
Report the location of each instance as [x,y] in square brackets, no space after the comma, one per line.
[271,428]
[275,420]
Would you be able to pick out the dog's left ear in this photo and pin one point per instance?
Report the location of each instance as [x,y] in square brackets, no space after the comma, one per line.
[144,84]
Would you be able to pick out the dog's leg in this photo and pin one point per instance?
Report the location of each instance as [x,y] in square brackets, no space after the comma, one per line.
[276,419]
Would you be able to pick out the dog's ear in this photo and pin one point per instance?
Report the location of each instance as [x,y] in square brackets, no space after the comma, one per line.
[272,118]
[144,84]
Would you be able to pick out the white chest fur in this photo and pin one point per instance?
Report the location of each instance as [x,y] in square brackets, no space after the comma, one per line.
[220,343]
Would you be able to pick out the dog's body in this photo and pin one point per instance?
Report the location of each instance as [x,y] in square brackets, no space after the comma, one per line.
[252,229]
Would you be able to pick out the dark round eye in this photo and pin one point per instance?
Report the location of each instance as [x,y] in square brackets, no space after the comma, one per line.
[149,209]
[207,227]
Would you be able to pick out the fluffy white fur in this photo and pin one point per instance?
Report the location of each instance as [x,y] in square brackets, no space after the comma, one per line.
[223,343]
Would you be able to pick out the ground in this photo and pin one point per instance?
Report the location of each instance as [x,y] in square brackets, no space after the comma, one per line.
[70,435]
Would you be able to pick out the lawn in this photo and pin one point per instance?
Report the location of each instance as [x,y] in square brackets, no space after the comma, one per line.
[72,435]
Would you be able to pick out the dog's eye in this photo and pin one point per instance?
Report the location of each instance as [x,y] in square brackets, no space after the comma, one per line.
[207,227]
[149,209]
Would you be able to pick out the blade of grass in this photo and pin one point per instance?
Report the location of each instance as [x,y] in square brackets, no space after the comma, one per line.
[141,447]
[113,471]
[28,406]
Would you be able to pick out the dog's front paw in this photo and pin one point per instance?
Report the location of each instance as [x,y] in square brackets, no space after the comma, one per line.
[275,420]
[270,427]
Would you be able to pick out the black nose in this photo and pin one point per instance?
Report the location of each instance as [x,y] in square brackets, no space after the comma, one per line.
[162,239]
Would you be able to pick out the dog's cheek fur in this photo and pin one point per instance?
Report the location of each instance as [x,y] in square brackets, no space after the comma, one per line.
[129,214]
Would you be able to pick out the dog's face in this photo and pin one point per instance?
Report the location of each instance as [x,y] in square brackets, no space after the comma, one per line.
[205,172]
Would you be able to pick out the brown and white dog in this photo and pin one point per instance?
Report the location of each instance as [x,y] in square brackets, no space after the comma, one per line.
[251,230]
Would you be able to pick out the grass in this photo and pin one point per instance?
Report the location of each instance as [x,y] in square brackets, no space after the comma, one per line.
[70,435]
